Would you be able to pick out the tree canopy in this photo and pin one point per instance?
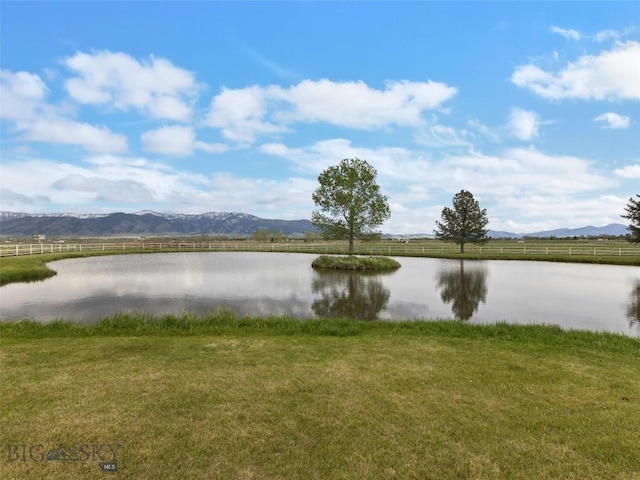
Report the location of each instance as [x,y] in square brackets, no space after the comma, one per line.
[633,213]
[349,200]
[464,223]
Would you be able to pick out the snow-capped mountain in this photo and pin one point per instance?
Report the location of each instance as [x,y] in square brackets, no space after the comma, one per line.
[145,222]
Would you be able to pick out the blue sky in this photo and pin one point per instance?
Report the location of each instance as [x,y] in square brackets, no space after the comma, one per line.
[191,107]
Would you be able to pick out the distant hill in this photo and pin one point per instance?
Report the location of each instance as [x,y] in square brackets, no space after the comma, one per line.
[143,223]
[148,222]
[614,229]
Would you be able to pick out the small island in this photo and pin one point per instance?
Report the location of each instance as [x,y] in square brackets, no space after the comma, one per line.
[352,262]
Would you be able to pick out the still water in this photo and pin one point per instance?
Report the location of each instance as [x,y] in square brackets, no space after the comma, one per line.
[593,297]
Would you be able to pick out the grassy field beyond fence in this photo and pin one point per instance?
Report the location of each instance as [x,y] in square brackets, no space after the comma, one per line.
[27,262]
[495,248]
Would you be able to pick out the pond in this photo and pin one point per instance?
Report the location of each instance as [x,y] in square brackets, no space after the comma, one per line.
[592,297]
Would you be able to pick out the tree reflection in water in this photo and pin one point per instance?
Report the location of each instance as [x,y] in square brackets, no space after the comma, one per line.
[633,309]
[357,295]
[464,289]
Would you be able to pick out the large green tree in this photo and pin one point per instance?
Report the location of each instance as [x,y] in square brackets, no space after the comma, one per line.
[464,223]
[349,200]
[633,214]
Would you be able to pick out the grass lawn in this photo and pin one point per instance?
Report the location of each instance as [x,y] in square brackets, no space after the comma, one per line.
[283,399]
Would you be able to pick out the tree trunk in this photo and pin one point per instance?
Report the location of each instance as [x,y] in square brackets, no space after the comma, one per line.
[352,216]
[462,247]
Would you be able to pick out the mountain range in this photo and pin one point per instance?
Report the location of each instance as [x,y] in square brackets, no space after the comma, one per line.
[613,229]
[147,222]
[143,223]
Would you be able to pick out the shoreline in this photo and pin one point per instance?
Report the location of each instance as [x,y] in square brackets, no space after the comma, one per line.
[29,268]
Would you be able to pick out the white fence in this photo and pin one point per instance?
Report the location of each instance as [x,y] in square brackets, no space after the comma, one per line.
[8,250]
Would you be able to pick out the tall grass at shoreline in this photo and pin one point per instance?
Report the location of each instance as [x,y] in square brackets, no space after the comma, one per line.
[224,322]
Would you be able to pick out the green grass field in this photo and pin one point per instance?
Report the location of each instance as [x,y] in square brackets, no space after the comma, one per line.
[239,398]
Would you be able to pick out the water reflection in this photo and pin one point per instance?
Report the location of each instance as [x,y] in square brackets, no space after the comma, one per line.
[348,294]
[633,309]
[463,288]
[592,297]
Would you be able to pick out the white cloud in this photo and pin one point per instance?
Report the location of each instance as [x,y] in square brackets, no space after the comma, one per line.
[23,94]
[31,181]
[23,104]
[356,105]
[243,114]
[106,190]
[605,35]
[286,198]
[177,141]
[111,180]
[479,129]
[540,212]
[154,86]
[538,188]
[211,147]
[613,120]
[173,140]
[524,124]
[64,131]
[392,163]
[611,75]
[240,113]
[444,136]
[11,199]
[630,171]
[567,33]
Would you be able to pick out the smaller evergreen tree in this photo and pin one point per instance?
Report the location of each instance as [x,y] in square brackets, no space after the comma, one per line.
[633,214]
[464,223]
